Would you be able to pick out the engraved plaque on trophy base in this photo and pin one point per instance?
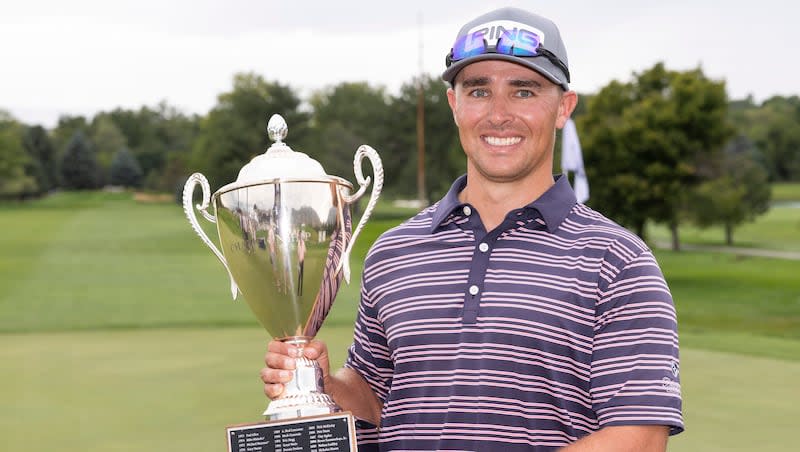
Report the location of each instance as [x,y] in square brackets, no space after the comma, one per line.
[329,433]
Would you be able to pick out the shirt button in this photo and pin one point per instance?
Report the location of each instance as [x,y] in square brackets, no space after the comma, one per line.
[473,290]
[483,247]
[467,210]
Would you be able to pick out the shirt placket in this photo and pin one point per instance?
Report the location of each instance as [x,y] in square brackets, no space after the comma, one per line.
[484,244]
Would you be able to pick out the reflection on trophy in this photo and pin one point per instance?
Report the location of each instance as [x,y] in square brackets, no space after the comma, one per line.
[285,239]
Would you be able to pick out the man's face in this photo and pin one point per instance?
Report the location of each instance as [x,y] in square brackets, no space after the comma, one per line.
[507,115]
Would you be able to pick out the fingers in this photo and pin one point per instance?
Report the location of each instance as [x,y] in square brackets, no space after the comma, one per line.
[282,348]
[274,380]
[315,350]
[273,391]
[280,361]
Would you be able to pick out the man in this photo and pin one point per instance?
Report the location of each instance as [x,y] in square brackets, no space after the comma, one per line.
[508,316]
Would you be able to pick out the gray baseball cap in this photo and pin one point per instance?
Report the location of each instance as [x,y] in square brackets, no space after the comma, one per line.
[515,35]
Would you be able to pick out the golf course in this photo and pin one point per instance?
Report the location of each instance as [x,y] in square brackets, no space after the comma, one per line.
[118,332]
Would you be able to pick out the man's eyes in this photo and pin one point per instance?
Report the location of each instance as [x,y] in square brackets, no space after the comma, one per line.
[479,92]
[523,93]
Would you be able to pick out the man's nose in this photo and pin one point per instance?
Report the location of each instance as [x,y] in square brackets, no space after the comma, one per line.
[499,112]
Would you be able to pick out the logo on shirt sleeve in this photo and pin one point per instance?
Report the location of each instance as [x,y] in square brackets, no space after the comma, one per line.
[672,384]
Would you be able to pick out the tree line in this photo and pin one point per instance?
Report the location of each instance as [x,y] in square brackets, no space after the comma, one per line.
[665,146]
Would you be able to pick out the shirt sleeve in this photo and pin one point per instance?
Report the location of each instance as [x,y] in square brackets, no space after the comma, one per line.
[369,354]
[635,375]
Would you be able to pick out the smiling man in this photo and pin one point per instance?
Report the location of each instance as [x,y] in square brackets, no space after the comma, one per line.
[506,116]
[508,316]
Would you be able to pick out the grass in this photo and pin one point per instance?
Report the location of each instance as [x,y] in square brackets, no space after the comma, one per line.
[136,390]
[778,229]
[89,261]
[734,403]
[727,293]
[119,334]
[104,262]
[786,192]
[107,263]
[132,390]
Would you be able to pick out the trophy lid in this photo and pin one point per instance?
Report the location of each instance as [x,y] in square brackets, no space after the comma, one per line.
[279,161]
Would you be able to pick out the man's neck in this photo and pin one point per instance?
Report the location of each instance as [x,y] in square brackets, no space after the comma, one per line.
[495,200]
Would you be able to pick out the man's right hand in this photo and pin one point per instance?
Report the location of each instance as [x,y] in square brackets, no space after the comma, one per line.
[280,361]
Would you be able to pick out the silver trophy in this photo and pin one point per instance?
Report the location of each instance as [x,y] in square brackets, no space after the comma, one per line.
[285,239]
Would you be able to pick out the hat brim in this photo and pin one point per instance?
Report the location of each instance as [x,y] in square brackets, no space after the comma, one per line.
[539,64]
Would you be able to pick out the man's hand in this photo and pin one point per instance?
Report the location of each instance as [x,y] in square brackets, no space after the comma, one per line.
[346,387]
[280,361]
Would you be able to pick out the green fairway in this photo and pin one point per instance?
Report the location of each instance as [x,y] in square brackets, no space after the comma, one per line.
[736,403]
[785,192]
[118,332]
[136,390]
[778,229]
[110,263]
[728,293]
[104,261]
[146,389]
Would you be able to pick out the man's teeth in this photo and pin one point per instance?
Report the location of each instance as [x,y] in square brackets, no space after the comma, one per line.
[498,141]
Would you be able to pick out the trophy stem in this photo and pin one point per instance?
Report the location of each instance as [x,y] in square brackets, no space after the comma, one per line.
[304,395]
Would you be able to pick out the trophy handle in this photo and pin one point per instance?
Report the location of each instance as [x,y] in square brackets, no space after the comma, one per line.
[363,182]
[188,191]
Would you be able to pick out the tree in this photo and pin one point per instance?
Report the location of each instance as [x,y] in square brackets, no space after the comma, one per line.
[78,164]
[14,182]
[772,127]
[643,141]
[740,193]
[42,162]
[156,136]
[108,141]
[141,136]
[235,129]
[125,170]
[344,117]
[444,158]
[65,129]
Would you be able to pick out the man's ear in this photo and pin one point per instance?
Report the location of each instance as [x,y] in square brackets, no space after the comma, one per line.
[451,100]
[565,107]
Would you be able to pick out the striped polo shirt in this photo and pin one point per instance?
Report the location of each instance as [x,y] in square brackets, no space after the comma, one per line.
[528,337]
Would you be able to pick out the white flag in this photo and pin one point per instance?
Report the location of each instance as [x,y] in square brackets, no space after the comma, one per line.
[572,160]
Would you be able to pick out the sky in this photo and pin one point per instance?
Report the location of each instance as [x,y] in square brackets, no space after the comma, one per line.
[80,57]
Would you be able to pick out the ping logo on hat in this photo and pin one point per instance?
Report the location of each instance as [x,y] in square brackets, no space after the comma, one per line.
[501,36]
[492,32]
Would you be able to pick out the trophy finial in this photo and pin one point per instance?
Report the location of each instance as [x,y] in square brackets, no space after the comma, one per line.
[277,128]
[279,160]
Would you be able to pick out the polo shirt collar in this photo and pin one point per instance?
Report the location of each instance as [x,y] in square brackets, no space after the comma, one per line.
[554,205]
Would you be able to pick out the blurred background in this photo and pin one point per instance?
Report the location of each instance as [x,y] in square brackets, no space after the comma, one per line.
[116,327]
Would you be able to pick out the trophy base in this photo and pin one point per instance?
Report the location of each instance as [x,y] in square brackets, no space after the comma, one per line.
[332,433]
[301,405]
[304,394]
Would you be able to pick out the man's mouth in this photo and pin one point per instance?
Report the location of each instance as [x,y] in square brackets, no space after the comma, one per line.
[501,141]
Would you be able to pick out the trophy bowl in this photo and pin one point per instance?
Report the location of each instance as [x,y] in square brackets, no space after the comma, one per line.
[285,236]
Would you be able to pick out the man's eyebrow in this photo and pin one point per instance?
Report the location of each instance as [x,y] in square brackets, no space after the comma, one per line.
[525,83]
[475,81]
[483,81]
